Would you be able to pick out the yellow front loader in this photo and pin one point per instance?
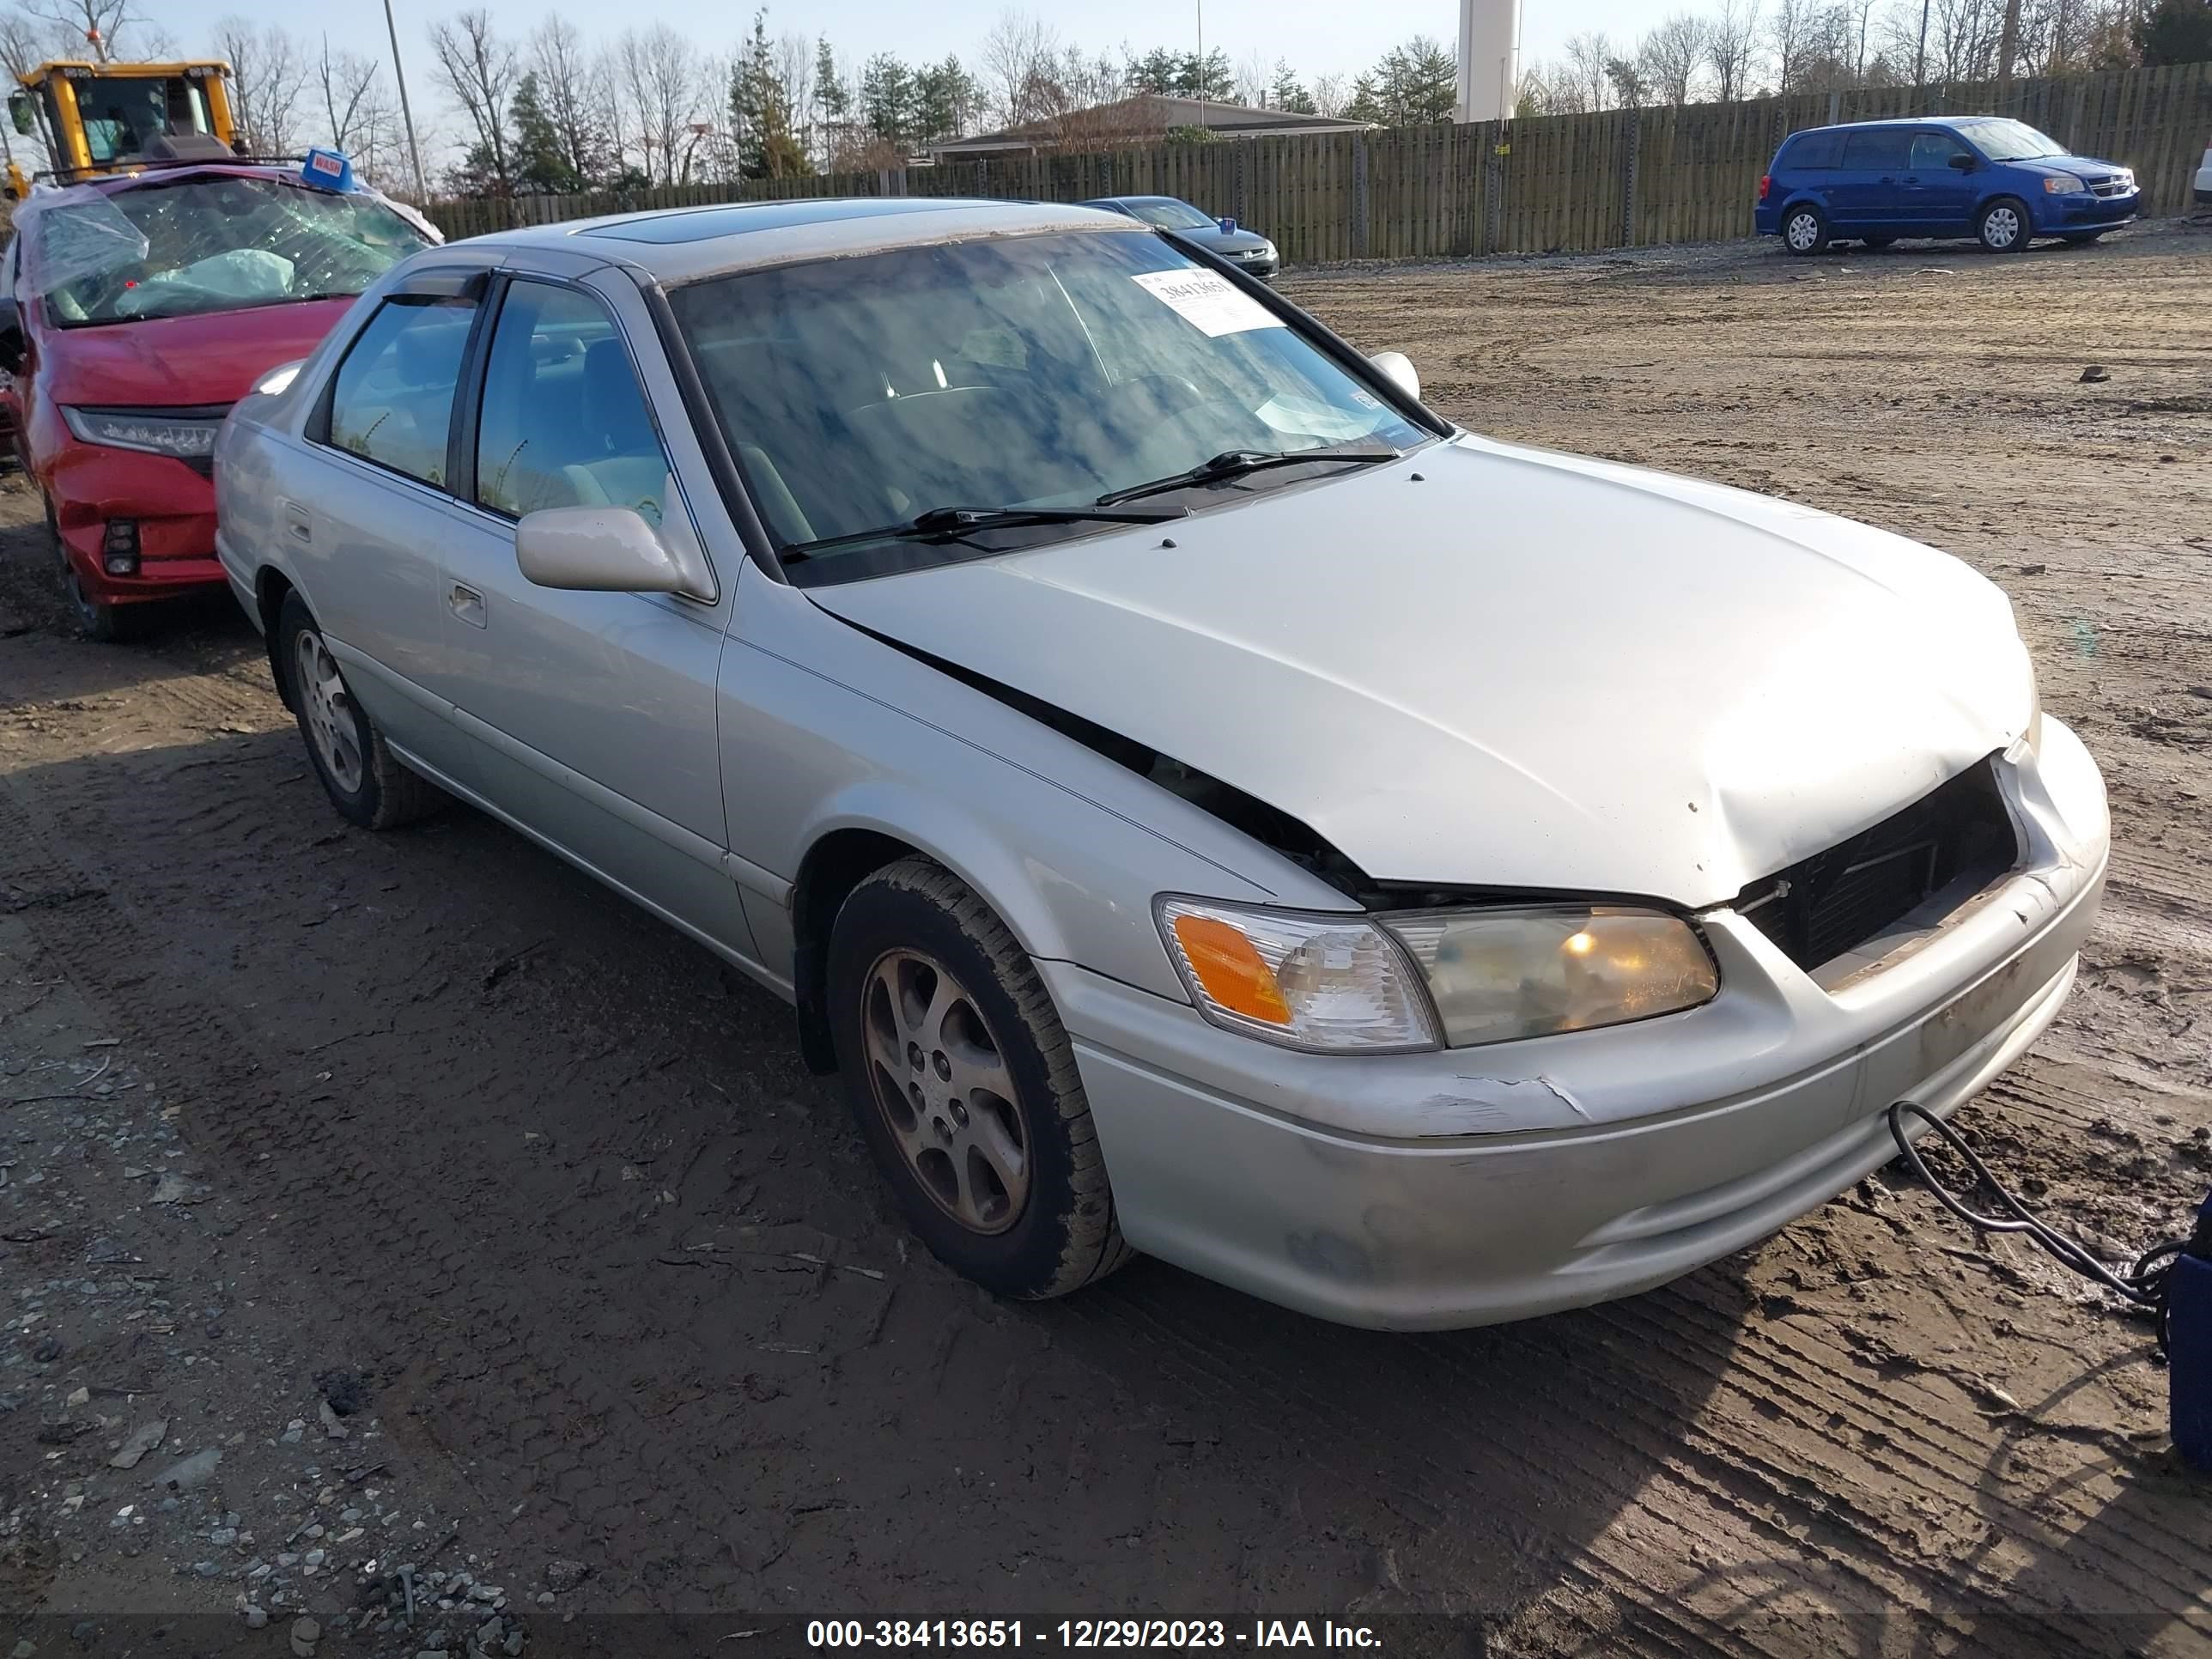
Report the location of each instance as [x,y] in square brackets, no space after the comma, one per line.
[97,119]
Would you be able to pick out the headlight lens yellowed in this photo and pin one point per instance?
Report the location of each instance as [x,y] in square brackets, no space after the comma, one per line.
[1495,976]
[1326,984]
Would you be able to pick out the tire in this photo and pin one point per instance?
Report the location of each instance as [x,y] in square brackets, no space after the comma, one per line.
[1805,230]
[364,780]
[1007,1186]
[2004,226]
[1875,243]
[109,624]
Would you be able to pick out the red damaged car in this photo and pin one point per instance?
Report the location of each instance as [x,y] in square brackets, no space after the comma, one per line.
[133,311]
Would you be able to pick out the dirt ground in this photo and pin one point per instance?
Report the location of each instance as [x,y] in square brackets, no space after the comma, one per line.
[427,1207]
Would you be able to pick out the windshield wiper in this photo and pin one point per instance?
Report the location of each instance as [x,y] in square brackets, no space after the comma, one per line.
[1236,462]
[951,523]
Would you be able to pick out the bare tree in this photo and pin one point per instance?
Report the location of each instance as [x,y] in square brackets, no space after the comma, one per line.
[1789,31]
[89,28]
[1731,44]
[1255,74]
[793,64]
[478,70]
[268,74]
[1587,55]
[1020,56]
[358,116]
[578,96]
[1330,95]
[1671,56]
[662,82]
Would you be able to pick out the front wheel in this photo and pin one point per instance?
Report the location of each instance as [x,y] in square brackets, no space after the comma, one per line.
[964,1087]
[363,778]
[1805,229]
[2003,226]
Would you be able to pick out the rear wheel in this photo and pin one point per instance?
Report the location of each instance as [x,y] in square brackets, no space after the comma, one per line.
[2003,226]
[964,1087]
[110,624]
[363,778]
[1805,229]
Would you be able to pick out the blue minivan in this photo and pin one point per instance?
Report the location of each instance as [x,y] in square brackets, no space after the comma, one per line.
[1980,175]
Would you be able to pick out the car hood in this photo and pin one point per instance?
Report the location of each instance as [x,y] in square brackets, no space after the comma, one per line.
[1498,667]
[1239,240]
[2080,167]
[181,362]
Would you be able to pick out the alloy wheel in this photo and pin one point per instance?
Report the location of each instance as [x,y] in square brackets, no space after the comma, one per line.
[329,709]
[940,1079]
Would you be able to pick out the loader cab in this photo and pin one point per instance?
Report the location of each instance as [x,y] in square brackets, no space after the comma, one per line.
[95,118]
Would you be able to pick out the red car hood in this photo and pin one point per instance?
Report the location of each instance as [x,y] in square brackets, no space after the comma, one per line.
[171,361]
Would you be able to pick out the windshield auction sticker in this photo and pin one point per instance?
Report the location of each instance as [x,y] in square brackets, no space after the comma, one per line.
[1207,302]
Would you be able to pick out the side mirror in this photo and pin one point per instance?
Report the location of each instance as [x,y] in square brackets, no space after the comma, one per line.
[1399,370]
[607,550]
[12,344]
[1964,162]
[19,112]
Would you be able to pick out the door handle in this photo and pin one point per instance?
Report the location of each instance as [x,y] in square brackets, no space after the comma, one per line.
[466,603]
[297,523]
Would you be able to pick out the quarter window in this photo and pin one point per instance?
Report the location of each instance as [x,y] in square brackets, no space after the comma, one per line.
[1815,149]
[565,421]
[392,403]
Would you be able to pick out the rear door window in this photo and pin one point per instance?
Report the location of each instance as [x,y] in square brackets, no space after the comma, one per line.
[392,401]
[1932,151]
[1814,149]
[565,421]
[1879,150]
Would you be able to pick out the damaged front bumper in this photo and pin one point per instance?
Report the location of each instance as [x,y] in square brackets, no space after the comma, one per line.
[1463,1188]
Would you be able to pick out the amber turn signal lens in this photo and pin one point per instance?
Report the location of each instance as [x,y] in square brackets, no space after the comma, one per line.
[1229,970]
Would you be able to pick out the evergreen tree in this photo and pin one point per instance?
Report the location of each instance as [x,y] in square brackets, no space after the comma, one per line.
[889,106]
[1287,93]
[540,158]
[2175,32]
[1158,70]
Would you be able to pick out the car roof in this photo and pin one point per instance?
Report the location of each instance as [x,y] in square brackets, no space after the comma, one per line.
[164,172]
[1903,121]
[1132,200]
[680,245]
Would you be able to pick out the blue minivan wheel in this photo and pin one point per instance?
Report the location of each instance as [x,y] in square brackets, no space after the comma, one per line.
[2004,226]
[1805,229]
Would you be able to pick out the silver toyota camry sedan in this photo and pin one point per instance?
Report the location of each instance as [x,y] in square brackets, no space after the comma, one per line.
[1202,801]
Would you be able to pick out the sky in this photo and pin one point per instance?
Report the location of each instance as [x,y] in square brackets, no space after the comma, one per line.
[1316,38]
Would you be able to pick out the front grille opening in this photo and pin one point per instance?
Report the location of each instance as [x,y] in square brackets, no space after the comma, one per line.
[1953,843]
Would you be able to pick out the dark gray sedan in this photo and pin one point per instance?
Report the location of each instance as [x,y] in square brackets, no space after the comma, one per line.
[1247,250]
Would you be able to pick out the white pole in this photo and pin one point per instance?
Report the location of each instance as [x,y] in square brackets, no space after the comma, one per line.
[406,114]
[1201,62]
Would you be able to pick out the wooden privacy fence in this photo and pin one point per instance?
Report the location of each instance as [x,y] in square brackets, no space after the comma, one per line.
[1617,178]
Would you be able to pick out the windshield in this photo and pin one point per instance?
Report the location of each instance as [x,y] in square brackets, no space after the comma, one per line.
[1042,371]
[212,243]
[2010,141]
[121,113]
[1172,215]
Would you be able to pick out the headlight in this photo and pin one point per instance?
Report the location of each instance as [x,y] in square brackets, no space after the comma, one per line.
[1326,984]
[188,438]
[2062,184]
[1498,974]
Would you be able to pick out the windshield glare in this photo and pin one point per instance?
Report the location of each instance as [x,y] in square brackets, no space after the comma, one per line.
[1172,215]
[1042,371]
[2011,141]
[212,243]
